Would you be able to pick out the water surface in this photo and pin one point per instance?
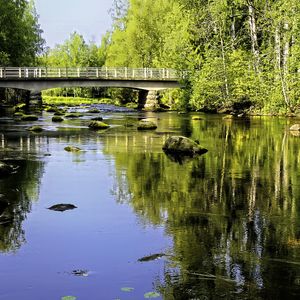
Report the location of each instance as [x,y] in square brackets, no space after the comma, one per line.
[225,225]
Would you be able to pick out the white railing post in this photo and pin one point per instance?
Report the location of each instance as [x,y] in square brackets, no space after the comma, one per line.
[106,72]
[151,73]
[168,74]
[126,72]
[59,73]
[116,73]
[97,73]
[78,72]
[1,73]
[133,75]
[20,72]
[26,73]
[145,73]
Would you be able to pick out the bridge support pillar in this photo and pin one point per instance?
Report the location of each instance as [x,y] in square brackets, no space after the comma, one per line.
[151,101]
[34,100]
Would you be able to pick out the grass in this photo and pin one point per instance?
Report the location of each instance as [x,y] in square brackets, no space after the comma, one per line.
[76,101]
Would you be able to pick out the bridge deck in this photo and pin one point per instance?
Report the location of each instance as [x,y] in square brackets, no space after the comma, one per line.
[38,73]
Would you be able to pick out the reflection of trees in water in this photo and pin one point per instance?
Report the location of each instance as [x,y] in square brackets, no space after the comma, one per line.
[231,213]
[17,191]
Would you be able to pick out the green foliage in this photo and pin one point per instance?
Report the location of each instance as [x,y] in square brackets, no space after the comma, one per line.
[236,51]
[20,33]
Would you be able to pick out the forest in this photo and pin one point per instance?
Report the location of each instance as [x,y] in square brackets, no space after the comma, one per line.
[240,54]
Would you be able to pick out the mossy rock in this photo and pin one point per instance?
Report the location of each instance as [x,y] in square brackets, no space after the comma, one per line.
[29,118]
[51,109]
[73,115]
[94,111]
[57,119]
[146,125]
[181,145]
[98,125]
[18,114]
[196,118]
[72,149]
[295,127]
[35,129]
[19,107]
[97,119]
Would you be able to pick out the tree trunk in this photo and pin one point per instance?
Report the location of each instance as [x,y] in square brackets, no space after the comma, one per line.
[232,29]
[253,35]
[224,66]
[285,67]
[277,50]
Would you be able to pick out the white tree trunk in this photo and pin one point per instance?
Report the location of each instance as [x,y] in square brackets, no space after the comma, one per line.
[253,35]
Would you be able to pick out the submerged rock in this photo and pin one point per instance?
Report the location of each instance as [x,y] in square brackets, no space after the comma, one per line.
[98,125]
[94,111]
[57,119]
[29,118]
[73,115]
[180,145]
[151,257]
[72,149]
[35,128]
[82,273]
[146,125]
[62,207]
[97,119]
[295,127]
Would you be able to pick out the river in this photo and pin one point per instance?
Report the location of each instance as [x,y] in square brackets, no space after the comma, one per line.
[225,225]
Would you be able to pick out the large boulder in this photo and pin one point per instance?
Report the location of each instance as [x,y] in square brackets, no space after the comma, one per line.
[180,145]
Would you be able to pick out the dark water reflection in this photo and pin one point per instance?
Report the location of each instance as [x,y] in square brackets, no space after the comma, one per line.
[228,222]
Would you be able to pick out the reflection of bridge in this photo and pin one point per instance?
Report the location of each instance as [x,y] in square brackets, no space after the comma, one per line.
[41,78]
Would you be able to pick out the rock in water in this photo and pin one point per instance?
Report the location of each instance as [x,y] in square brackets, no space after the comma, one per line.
[57,119]
[98,125]
[180,145]
[146,125]
[72,149]
[62,207]
[29,118]
[35,128]
[295,127]
[83,273]
[151,257]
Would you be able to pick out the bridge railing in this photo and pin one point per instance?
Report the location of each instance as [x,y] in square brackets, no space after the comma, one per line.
[91,73]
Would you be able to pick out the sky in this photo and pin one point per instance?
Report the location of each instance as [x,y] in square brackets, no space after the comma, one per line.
[59,18]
